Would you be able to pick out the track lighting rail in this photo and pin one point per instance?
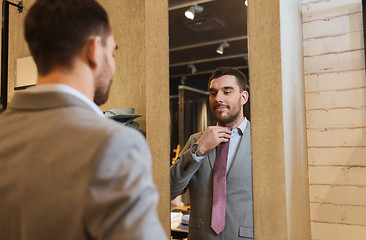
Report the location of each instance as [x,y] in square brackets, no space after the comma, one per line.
[202,44]
[208,60]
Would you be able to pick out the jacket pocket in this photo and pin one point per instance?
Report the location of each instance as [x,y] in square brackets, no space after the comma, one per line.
[246,232]
[195,222]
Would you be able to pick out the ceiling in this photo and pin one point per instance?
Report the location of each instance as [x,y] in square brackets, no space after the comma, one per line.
[195,41]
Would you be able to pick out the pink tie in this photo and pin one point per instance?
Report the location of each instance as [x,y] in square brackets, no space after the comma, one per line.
[219,188]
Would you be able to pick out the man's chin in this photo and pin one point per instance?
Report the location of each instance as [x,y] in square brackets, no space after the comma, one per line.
[224,119]
[100,99]
[221,118]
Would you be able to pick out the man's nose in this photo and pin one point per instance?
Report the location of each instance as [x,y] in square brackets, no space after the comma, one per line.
[218,97]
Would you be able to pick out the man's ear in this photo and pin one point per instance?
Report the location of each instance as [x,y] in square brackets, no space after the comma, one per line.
[93,51]
[244,97]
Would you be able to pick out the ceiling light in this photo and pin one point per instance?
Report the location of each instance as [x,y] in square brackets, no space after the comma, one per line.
[183,80]
[220,49]
[246,57]
[191,12]
[193,68]
[246,3]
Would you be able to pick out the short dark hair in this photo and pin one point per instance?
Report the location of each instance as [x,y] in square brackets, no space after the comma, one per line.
[56,30]
[221,71]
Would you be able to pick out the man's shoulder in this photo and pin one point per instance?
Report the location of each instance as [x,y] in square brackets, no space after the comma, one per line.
[112,127]
[84,121]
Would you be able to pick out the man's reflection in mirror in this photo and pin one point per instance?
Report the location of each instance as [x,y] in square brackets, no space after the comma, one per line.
[215,165]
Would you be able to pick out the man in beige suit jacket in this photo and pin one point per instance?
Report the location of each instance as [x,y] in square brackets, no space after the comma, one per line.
[194,168]
[67,172]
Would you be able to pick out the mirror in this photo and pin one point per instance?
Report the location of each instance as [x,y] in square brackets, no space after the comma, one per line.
[215,37]
[364,23]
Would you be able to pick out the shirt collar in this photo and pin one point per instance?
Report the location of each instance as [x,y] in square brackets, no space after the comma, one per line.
[65,89]
[242,126]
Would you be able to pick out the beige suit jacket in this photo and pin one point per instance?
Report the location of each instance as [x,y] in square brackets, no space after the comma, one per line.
[68,173]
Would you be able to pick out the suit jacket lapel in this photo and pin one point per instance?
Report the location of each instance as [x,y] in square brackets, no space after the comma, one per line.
[242,155]
[211,158]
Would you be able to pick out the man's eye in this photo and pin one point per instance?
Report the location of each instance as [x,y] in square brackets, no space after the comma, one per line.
[226,93]
[212,94]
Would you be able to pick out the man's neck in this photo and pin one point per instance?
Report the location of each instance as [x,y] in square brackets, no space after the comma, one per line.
[233,124]
[78,78]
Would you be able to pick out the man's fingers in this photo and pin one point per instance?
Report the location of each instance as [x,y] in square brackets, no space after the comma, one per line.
[224,135]
[219,129]
[223,139]
[224,130]
[214,135]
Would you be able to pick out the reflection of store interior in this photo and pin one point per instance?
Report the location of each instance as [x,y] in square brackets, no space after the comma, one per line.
[216,36]
[333,39]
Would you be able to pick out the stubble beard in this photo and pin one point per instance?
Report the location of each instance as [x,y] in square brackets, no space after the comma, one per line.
[102,85]
[226,119]
[102,93]
[229,117]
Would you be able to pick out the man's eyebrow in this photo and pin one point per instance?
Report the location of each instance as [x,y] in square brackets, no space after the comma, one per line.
[225,88]
[229,87]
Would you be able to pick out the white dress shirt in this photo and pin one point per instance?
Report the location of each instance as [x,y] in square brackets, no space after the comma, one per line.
[56,87]
[236,135]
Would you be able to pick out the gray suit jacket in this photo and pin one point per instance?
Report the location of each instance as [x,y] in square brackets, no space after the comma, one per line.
[197,177]
[67,173]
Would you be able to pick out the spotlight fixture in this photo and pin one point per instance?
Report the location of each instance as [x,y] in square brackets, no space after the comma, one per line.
[193,68]
[183,80]
[191,12]
[246,59]
[220,49]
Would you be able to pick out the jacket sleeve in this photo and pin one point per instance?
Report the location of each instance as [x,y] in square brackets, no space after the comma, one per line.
[122,195]
[184,169]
